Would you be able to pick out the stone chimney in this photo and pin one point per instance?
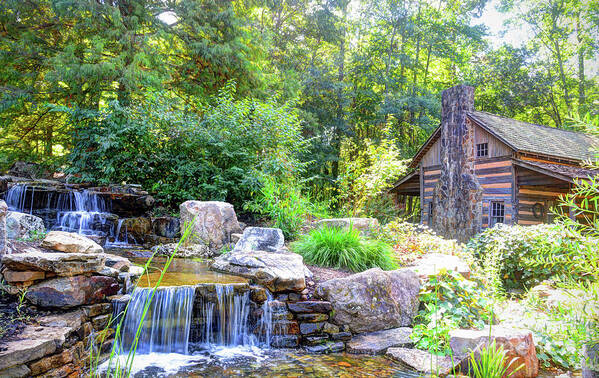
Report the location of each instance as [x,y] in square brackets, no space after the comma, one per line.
[457,198]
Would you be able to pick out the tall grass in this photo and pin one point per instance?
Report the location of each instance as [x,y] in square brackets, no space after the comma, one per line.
[114,362]
[491,363]
[344,248]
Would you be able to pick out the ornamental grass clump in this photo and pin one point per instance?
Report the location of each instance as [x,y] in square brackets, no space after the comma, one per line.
[344,248]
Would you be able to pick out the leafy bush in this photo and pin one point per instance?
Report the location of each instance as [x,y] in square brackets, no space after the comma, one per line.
[212,151]
[344,248]
[449,301]
[517,257]
[410,241]
[366,171]
[283,203]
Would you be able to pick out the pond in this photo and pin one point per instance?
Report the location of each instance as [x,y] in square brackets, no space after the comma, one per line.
[180,272]
[202,359]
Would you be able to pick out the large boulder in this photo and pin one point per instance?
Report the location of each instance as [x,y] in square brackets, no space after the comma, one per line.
[590,361]
[70,242]
[61,264]
[373,300]
[364,225]
[213,222]
[278,271]
[518,344]
[21,225]
[3,212]
[260,239]
[67,292]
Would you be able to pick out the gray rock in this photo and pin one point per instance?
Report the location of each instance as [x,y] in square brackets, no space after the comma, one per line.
[3,212]
[310,307]
[430,265]
[329,347]
[372,300]
[278,272]
[62,264]
[213,222]
[364,225]
[122,264]
[67,292]
[590,361]
[311,328]
[378,342]
[70,242]
[20,371]
[422,361]
[195,250]
[21,225]
[260,239]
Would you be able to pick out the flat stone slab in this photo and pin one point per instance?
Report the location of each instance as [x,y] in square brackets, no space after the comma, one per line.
[278,271]
[378,342]
[422,361]
[70,242]
[432,263]
[37,341]
[62,264]
[68,292]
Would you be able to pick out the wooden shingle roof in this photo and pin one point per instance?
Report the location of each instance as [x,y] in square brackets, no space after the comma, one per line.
[537,139]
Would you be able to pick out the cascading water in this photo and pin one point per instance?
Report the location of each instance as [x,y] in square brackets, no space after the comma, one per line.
[83,212]
[224,319]
[167,322]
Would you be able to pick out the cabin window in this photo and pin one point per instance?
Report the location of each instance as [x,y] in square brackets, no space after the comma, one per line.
[497,213]
[482,150]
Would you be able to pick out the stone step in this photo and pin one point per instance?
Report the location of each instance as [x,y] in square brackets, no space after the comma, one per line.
[378,342]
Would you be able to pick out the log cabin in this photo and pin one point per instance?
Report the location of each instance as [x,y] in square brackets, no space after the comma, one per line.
[478,169]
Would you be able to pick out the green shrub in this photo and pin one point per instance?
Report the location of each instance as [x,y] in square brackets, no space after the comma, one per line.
[518,257]
[344,248]
[215,151]
[410,241]
[449,301]
[283,203]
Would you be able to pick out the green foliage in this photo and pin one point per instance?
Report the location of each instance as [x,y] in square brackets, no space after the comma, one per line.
[450,301]
[411,241]
[34,235]
[491,363]
[517,257]
[343,248]
[369,169]
[218,154]
[283,203]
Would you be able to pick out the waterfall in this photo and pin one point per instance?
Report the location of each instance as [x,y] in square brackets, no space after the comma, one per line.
[181,316]
[116,234]
[167,322]
[81,212]
[16,197]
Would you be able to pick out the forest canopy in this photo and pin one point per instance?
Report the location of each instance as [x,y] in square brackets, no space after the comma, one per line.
[202,98]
